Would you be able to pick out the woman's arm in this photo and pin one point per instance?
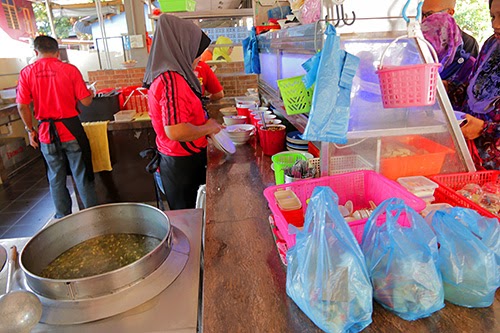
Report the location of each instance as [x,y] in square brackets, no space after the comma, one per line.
[185,132]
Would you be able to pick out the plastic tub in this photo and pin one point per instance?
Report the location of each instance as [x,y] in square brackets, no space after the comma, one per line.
[360,187]
[426,159]
[272,139]
[419,185]
[124,115]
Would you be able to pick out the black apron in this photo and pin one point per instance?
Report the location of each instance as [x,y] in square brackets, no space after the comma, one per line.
[74,125]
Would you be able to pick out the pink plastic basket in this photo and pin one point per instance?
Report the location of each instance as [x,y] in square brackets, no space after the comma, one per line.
[409,85]
[360,187]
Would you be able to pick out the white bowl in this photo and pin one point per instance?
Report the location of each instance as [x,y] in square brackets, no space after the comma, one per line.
[239,134]
[228,111]
[258,114]
[234,120]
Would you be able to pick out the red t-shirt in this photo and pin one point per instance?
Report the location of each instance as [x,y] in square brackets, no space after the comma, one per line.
[54,87]
[171,101]
[208,80]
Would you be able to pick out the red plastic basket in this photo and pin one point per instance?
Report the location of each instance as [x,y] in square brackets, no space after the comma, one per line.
[450,183]
[134,98]
[409,85]
[360,187]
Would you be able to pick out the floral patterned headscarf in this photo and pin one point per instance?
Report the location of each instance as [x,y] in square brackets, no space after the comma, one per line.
[441,30]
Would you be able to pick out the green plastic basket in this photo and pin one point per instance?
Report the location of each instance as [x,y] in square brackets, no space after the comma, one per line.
[296,98]
[282,161]
[170,6]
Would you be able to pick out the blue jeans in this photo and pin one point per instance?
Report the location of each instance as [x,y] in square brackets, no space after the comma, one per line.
[57,172]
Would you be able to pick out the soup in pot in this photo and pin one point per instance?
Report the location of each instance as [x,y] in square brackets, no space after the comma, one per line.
[100,255]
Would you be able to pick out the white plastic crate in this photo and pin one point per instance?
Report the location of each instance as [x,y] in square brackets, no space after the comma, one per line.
[342,164]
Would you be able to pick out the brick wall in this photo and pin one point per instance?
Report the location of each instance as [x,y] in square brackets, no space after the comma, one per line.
[231,75]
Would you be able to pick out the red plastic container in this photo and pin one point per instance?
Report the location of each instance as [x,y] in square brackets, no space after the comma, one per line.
[272,141]
[360,187]
[243,112]
[450,183]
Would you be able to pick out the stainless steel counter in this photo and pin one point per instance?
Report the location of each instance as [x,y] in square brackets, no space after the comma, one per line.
[177,308]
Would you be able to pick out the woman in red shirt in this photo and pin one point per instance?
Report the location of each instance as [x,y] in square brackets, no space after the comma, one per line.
[176,110]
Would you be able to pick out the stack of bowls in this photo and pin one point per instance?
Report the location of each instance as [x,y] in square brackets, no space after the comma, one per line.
[240,134]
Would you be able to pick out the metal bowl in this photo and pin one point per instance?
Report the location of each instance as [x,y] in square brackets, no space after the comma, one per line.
[74,229]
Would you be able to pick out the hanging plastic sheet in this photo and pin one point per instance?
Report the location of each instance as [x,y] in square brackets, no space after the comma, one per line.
[326,273]
[401,254]
[329,116]
[467,260]
[251,53]
[311,68]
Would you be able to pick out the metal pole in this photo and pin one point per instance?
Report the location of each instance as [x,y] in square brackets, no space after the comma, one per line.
[103,33]
[51,18]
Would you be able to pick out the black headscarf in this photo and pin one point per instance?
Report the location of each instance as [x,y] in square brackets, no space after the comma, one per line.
[176,43]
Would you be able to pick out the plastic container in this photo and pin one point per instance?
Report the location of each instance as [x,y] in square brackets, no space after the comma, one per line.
[134,98]
[419,185]
[290,207]
[282,161]
[408,85]
[296,98]
[342,164]
[259,29]
[124,115]
[360,187]
[252,101]
[272,139]
[450,183]
[427,157]
[433,207]
[228,111]
[101,108]
[170,6]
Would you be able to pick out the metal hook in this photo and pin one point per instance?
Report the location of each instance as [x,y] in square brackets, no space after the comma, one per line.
[344,16]
[341,15]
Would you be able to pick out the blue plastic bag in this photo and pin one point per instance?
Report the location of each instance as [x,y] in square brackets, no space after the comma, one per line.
[329,116]
[311,68]
[326,273]
[401,254]
[469,266]
[251,53]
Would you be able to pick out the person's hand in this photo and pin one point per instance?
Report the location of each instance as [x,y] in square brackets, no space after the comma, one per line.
[213,126]
[33,135]
[473,127]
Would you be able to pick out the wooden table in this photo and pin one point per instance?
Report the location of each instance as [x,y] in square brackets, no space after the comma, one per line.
[244,279]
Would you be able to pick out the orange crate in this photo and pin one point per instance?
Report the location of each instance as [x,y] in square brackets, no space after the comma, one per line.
[427,160]
[450,183]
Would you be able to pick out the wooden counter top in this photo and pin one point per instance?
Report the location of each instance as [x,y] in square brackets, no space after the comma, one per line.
[244,279]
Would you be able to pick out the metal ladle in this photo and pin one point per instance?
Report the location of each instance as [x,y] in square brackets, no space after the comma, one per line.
[20,310]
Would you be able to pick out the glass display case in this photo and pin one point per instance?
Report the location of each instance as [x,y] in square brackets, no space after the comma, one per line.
[396,142]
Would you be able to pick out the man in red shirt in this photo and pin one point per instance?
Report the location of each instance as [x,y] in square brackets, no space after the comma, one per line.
[55,88]
[208,81]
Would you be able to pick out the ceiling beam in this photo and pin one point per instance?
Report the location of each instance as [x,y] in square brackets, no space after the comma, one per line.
[84,5]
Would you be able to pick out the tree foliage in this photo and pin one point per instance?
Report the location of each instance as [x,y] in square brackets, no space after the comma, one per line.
[473,16]
[61,24]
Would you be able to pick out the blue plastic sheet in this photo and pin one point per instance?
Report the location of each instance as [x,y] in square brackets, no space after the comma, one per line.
[311,68]
[467,257]
[326,273]
[401,256]
[251,53]
[329,115]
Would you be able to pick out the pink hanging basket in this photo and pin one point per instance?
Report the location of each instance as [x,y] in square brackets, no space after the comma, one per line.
[408,85]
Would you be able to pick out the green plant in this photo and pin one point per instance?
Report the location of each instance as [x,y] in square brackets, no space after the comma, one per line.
[473,16]
[61,24]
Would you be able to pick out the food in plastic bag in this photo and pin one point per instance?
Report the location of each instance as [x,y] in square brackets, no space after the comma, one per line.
[401,253]
[326,273]
[468,256]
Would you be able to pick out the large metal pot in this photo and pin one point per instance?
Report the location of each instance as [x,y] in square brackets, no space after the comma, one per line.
[74,229]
